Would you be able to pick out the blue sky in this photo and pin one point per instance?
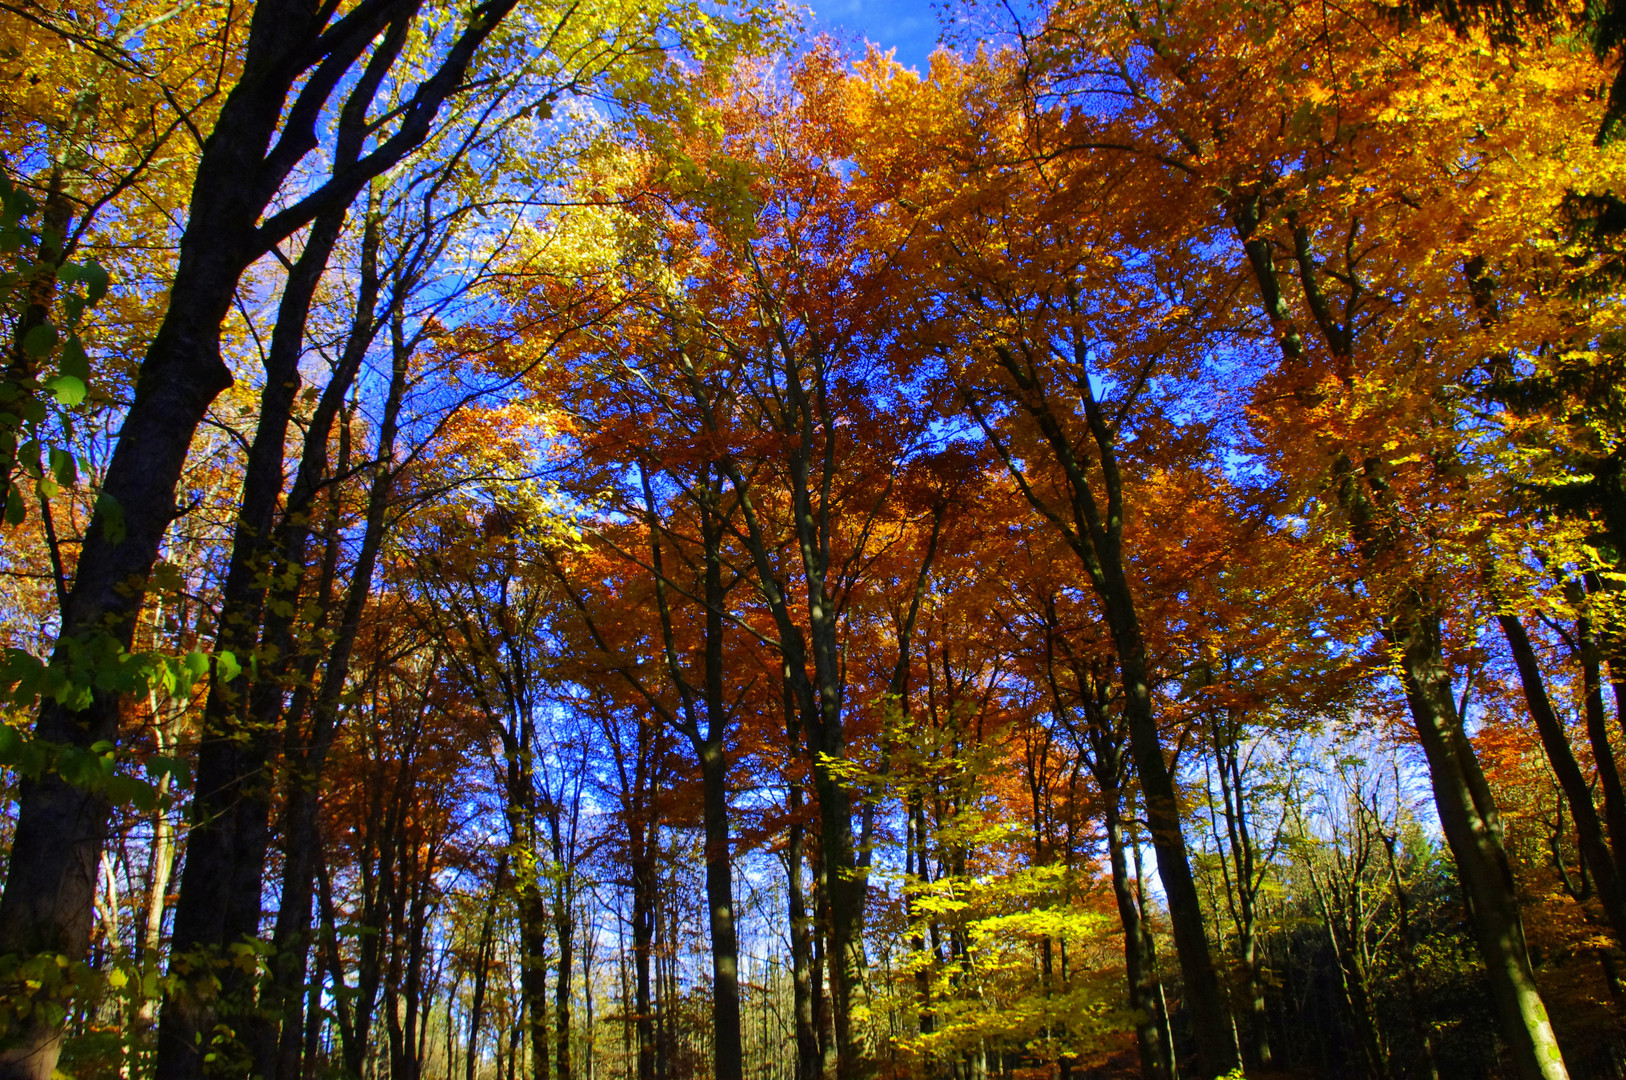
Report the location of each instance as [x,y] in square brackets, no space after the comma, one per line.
[911,26]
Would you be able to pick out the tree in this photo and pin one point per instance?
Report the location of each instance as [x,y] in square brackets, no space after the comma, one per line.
[47,903]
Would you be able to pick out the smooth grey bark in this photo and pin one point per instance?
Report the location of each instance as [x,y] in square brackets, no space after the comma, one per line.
[1473,829]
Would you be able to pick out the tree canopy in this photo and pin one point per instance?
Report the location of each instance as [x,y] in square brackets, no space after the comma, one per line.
[627,539]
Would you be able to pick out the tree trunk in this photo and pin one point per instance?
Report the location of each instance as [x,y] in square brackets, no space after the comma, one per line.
[729,1063]
[1577,792]
[305,758]
[1467,810]
[801,945]
[1211,1021]
[642,842]
[1138,966]
[219,902]
[564,931]
[1614,797]
[484,954]
[533,978]
[1473,830]
[1095,533]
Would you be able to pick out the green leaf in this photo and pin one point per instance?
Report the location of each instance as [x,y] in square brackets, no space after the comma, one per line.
[95,278]
[16,509]
[28,457]
[63,467]
[73,360]
[39,341]
[134,792]
[69,390]
[226,665]
[165,576]
[161,765]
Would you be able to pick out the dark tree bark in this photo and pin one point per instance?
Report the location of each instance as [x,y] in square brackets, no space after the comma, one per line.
[564,930]
[1422,1026]
[219,900]
[710,749]
[306,756]
[48,904]
[484,955]
[1092,525]
[1139,966]
[808,1062]
[814,667]
[642,848]
[1572,781]
[1239,866]
[1411,625]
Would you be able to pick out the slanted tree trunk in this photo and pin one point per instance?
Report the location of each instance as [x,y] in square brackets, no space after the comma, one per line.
[1595,850]
[1139,968]
[48,903]
[1473,829]
[1597,727]
[1411,624]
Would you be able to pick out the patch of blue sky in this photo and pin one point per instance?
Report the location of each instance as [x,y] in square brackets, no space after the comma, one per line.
[912,27]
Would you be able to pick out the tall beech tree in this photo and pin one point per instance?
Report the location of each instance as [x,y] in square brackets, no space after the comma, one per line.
[778,290]
[1355,294]
[1064,339]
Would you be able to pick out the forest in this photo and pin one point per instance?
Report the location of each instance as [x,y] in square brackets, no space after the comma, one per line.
[633,540]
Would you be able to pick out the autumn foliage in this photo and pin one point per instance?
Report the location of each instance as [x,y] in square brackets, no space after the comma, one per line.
[618,539]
